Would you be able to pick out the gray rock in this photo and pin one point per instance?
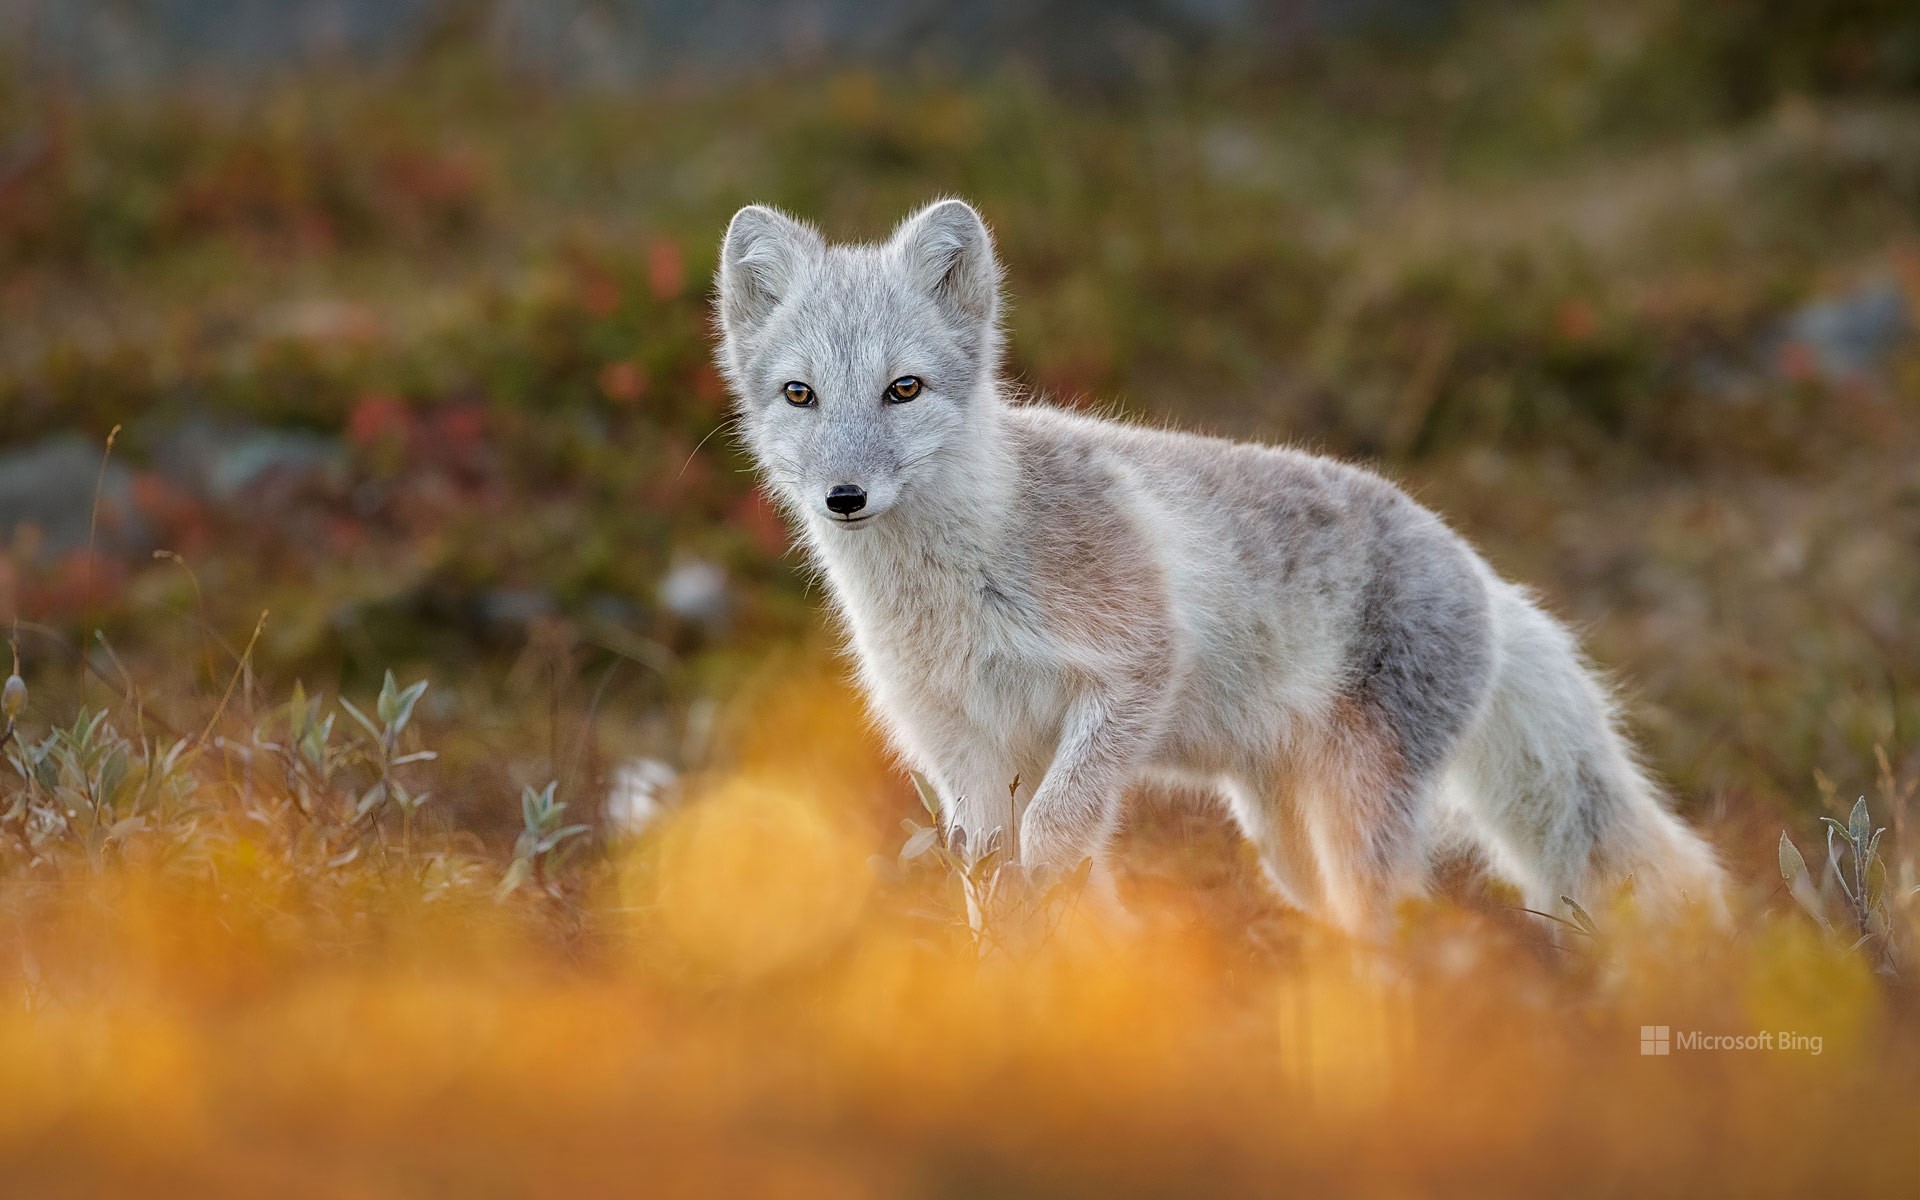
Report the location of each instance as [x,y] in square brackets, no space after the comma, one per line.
[617,611]
[1852,335]
[514,606]
[50,485]
[223,462]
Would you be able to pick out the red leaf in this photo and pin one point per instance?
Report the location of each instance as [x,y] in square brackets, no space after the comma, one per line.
[623,381]
[377,417]
[666,268]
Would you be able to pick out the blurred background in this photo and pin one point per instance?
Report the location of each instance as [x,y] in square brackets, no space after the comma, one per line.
[400,309]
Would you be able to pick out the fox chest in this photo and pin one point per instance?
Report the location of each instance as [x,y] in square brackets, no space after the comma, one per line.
[973,670]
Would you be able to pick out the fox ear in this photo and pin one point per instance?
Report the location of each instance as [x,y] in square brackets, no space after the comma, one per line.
[760,261]
[948,254]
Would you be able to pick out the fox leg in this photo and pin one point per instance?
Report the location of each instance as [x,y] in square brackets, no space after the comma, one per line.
[1077,805]
[1371,847]
[1268,813]
[1366,813]
[975,799]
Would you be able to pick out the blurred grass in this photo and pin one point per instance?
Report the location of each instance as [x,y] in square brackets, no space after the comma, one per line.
[736,1001]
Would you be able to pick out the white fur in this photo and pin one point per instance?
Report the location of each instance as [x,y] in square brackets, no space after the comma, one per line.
[1086,603]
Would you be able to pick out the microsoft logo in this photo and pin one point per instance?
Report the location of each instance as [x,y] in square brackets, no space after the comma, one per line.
[1662,1040]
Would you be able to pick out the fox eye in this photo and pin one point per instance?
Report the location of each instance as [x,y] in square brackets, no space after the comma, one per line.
[903,389]
[798,394]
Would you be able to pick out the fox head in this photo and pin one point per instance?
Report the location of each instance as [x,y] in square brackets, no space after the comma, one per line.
[863,374]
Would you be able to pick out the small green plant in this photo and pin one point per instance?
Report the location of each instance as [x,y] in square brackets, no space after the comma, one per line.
[309,755]
[997,895]
[1578,922]
[544,842]
[91,787]
[393,710]
[1853,867]
[346,787]
[87,787]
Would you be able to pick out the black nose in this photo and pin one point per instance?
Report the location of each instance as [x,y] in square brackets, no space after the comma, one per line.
[846,498]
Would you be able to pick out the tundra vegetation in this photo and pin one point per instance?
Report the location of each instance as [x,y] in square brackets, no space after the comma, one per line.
[370,514]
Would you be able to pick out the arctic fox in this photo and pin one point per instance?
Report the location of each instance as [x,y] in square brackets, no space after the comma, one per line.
[1086,603]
